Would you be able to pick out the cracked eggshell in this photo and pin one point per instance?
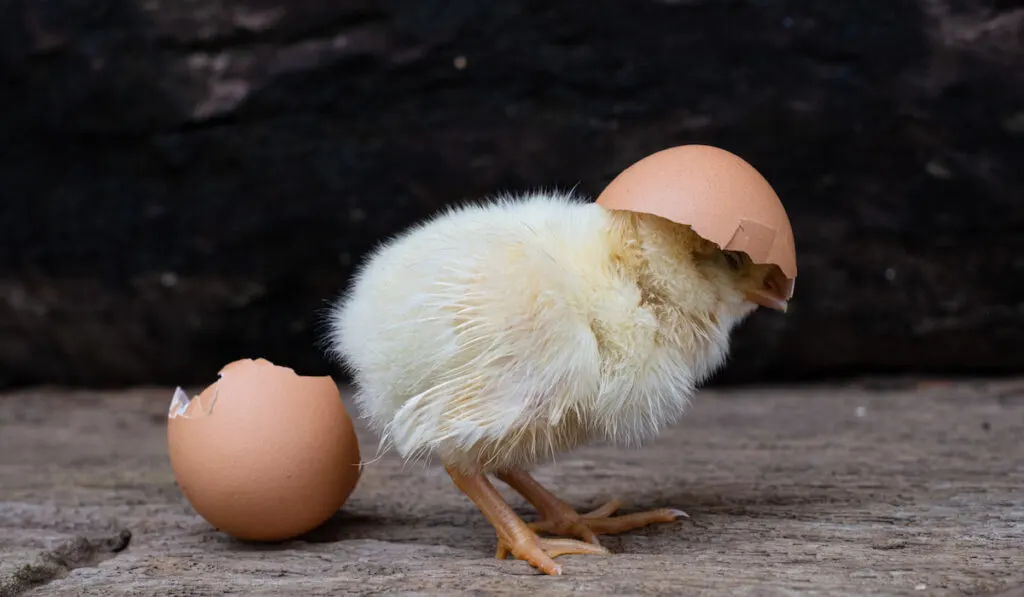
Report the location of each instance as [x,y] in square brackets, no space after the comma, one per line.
[718,194]
[264,454]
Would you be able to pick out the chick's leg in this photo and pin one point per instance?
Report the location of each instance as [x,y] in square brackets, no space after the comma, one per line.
[558,518]
[513,535]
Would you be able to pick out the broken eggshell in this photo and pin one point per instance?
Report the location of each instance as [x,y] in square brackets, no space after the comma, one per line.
[719,195]
[263,454]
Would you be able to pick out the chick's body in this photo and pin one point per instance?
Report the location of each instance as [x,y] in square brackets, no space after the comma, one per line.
[496,336]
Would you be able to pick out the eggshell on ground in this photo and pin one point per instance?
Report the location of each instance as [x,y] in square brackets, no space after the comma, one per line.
[264,454]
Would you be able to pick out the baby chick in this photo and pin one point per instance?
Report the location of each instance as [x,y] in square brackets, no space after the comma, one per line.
[496,335]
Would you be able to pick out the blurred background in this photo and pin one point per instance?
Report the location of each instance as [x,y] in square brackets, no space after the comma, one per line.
[188,182]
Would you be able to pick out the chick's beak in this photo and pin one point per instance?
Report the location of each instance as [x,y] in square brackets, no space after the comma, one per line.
[769,299]
[773,294]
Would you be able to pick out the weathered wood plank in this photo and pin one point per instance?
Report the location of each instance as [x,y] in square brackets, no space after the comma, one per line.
[832,490]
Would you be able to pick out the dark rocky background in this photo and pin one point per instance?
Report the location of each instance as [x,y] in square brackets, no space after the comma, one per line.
[186,182]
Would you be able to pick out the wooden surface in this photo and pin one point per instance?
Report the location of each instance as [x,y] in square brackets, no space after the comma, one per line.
[914,489]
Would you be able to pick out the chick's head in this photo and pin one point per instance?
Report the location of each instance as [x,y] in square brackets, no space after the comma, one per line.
[749,283]
[692,272]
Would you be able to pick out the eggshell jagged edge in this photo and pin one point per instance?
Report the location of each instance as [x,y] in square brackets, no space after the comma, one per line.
[194,408]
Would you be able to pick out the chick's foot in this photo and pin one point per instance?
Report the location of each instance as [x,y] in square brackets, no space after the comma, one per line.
[558,518]
[514,537]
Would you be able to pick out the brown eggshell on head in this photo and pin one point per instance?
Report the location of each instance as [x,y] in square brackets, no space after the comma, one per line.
[718,194]
[264,454]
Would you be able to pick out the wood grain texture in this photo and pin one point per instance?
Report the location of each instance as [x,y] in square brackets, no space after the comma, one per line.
[845,490]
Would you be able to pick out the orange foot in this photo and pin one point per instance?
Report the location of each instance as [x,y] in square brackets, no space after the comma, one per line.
[558,518]
[514,536]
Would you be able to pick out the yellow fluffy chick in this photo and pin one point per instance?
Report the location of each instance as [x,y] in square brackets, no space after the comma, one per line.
[496,335]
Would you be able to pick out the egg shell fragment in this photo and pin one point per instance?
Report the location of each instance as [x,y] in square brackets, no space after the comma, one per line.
[264,454]
[718,194]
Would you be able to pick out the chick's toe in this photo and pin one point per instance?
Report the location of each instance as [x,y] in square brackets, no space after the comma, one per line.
[541,548]
[558,518]
[596,524]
